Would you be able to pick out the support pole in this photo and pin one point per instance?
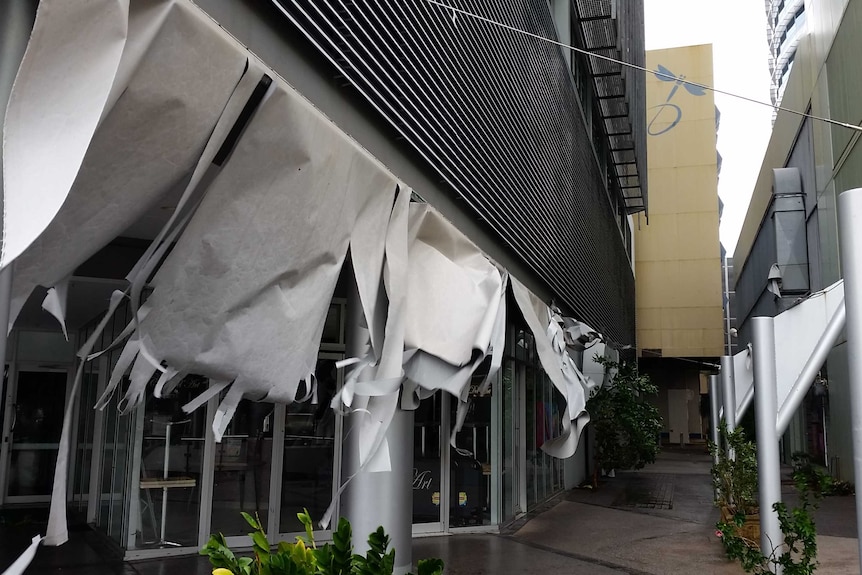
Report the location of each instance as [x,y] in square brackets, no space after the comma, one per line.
[714,400]
[380,498]
[766,408]
[850,242]
[728,392]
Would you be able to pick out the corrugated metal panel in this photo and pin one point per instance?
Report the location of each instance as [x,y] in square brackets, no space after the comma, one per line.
[495,113]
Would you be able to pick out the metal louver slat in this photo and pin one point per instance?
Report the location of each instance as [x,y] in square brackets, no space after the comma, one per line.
[496,115]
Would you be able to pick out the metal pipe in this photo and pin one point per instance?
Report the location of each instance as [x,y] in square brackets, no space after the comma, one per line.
[850,244]
[812,366]
[729,350]
[714,399]
[766,407]
[728,392]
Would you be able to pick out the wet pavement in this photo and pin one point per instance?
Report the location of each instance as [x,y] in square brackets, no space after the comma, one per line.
[659,520]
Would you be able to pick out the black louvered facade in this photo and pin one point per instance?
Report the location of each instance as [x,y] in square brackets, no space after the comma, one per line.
[497,115]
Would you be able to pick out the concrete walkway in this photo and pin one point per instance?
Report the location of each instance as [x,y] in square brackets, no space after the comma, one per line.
[659,521]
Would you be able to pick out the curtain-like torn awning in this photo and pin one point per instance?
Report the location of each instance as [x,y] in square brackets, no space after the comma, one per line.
[272,195]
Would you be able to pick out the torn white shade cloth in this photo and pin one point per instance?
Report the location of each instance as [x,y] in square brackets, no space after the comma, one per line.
[561,369]
[176,75]
[595,370]
[19,566]
[244,293]
[57,532]
[455,310]
[454,290]
[55,105]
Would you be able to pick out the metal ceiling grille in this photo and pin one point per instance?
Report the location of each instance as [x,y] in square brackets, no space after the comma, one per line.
[495,113]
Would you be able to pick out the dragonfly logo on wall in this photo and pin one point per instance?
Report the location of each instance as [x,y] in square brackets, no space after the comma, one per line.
[667,112]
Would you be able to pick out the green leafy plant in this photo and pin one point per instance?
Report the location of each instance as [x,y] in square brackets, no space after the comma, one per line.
[796,554]
[305,558]
[734,472]
[817,477]
[627,426]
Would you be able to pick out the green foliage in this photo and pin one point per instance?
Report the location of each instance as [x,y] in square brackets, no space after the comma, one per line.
[305,558]
[627,426]
[734,478]
[817,478]
[797,553]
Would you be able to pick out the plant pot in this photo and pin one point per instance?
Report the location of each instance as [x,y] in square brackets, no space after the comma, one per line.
[749,530]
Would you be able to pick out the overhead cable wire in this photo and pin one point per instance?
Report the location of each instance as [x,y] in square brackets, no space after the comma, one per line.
[456,11]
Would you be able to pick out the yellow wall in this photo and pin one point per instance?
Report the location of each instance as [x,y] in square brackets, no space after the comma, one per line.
[677,254]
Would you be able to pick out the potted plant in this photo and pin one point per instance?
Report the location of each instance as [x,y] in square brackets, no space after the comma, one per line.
[734,480]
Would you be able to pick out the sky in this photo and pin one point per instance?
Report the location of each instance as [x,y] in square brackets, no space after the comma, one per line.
[737,31]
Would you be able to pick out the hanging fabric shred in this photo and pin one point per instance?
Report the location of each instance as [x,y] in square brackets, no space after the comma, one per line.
[269,197]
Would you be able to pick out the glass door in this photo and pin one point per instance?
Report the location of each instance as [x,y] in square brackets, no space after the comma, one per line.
[429,490]
[311,458]
[37,400]
[243,469]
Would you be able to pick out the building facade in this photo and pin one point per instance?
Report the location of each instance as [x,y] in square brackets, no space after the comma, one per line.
[528,159]
[788,246]
[678,258]
[785,26]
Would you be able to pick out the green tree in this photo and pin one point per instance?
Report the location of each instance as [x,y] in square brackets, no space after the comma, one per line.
[627,425]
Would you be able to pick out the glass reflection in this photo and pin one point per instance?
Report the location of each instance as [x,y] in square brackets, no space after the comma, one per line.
[243,463]
[171,466]
[426,460]
[470,467]
[309,452]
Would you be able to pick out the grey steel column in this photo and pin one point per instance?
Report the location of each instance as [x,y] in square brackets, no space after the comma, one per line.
[850,241]
[714,399]
[381,498]
[728,392]
[766,413]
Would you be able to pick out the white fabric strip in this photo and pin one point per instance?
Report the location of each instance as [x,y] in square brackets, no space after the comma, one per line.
[55,303]
[57,532]
[536,314]
[54,109]
[166,95]
[19,566]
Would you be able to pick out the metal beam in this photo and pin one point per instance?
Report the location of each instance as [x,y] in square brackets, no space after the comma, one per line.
[812,366]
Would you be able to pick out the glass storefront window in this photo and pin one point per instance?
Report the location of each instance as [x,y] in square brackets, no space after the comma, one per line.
[243,464]
[427,493]
[470,464]
[509,480]
[309,451]
[171,468]
[38,420]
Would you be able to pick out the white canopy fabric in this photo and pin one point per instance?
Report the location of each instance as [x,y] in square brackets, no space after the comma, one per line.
[273,197]
[141,144]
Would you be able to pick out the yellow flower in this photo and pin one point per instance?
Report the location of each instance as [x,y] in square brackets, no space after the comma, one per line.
[222,571]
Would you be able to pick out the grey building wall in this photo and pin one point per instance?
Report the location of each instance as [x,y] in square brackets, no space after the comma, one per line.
[782,240]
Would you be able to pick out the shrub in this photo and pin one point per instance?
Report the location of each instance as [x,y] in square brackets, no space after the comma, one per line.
[305,558]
